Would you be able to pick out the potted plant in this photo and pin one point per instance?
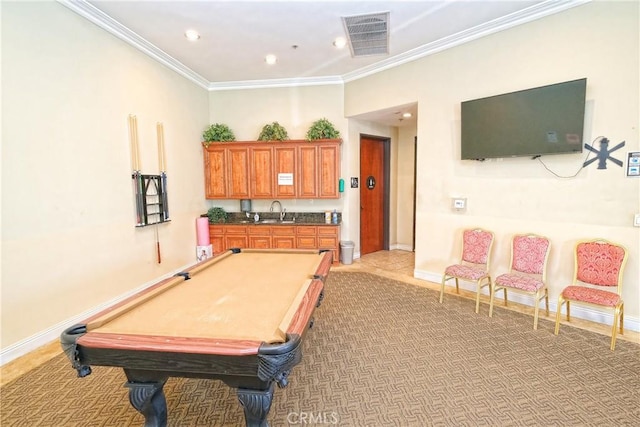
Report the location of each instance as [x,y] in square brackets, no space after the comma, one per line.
[216,215]
[217,132]
[322,129]
[273,132]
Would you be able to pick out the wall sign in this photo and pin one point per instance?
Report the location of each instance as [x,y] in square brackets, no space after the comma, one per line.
[285,179]
[371,183]
[633,163]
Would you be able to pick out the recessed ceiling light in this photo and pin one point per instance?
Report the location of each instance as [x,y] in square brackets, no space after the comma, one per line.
[270,59]
[407,115]
[191,35]
[340,42]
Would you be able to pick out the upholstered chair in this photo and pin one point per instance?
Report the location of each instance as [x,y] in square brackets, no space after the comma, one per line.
[527,272]
[474,262]
[597,281]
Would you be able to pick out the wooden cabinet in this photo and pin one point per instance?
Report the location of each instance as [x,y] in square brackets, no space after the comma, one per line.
[267,170]
[308,172]
[216,233]
[319,171]
[260,237]
[328,238]
[262,172]
[328,171]
[215,172]
[283,237]
[238,172]
[306,237]
[235,236]
[224,237]
[286,161]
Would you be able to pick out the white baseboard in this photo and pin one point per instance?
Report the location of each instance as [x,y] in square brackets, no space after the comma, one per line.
[52,333]
[581,312]
[401,247]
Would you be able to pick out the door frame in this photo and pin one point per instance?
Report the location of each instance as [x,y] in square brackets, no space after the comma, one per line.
[386,168]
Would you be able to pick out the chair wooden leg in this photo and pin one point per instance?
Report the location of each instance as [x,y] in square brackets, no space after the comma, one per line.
[493,294]
[558,310]
[478,288]
[614,328]
[622,318]
[444,279]
[546,300]
[536,309]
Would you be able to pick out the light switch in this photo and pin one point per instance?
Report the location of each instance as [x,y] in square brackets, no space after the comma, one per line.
[636,220]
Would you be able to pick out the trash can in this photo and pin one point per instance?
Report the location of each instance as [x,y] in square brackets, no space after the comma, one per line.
[346,251]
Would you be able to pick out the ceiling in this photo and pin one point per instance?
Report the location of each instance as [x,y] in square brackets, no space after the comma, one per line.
[235,36]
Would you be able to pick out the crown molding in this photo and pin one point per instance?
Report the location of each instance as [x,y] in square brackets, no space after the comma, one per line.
[532,13]
[104,21]
[271,83]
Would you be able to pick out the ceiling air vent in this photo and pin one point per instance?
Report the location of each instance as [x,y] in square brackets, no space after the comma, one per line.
[368,34]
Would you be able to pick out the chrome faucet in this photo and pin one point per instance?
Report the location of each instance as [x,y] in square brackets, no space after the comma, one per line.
[283,212]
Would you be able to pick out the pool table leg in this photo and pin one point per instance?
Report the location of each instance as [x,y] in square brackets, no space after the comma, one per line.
[148,399]
[256,405]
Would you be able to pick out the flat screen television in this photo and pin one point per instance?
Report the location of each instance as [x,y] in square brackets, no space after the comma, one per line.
[532,122]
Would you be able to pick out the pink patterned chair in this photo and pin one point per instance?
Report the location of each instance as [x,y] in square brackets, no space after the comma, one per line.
[474,263]
[527,274]
[597,281]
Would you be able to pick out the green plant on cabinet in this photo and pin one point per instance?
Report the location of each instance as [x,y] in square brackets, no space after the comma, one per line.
[217,132]
[322,129]
[273,132]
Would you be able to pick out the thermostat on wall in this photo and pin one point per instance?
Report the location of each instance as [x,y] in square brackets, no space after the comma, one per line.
[459,204]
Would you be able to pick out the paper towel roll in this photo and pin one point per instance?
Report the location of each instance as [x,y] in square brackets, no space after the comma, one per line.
[202,231]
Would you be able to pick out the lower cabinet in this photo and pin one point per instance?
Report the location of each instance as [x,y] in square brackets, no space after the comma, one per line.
[283,237]
[224,237]
[259,237]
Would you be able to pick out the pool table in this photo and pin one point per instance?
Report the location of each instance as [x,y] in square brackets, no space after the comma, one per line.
[239,317]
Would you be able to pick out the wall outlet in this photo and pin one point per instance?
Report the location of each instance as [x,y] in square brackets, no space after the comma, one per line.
[636,220]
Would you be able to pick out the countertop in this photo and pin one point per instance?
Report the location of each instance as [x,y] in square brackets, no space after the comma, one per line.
[271,218]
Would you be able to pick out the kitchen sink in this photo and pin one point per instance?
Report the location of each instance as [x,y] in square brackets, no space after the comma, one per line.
[268,221]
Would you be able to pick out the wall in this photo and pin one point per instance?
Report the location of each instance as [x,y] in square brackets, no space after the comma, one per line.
[68,238]
[405,187]
[598,41]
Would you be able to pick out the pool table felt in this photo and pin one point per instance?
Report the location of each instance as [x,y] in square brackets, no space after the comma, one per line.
[252,295]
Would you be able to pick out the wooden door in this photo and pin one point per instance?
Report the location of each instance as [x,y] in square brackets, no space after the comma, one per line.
[373,194]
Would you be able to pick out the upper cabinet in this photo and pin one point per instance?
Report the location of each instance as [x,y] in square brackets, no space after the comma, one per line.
[296,169]
[215,172]
[238,173]
[286,162]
